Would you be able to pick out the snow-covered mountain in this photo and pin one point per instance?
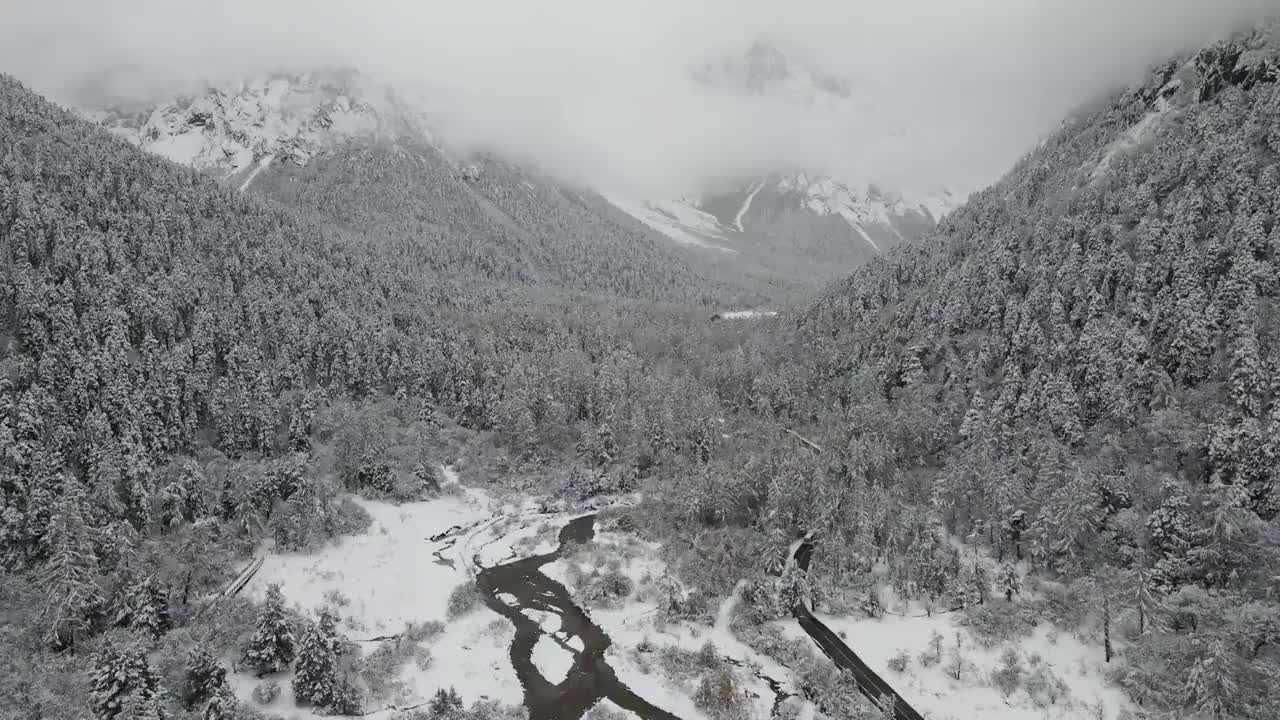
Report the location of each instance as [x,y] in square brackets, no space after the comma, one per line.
[775,207]
[872,216]
[262,131]
[237,130]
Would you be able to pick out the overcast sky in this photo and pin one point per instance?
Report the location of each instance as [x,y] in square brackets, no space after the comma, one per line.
[949,92]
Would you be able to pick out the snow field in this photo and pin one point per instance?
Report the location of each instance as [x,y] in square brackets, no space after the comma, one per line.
[932,691]
[388,576]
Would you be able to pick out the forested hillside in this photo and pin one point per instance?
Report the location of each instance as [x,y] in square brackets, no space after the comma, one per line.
[489,223]
[185,370]
[1081,369]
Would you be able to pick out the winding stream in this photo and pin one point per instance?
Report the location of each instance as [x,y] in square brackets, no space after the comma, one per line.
[525,588]
[519,591]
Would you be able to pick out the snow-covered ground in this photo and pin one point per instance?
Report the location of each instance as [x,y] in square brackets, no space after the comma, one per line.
[934,692]
[391,575]
[394,574]
[679,220]
[552,659]
[387,575]
[747,314]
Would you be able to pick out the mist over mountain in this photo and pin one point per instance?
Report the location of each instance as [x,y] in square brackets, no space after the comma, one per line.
[608,95]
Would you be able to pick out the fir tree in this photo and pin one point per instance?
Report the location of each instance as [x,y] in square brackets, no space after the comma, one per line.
[1009,581]
[69,578]
[319,679]
[203,678]
[151,607]
[121,679]
[444,703]
[1211,687]
[271,648]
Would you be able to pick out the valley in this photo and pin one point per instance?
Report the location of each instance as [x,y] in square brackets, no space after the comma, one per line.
[314,405]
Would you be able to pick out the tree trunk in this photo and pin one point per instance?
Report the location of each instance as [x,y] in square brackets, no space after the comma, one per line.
[1106,629]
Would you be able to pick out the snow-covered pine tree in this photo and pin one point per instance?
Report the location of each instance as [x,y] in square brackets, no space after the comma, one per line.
[444,703]
[794,587]
[315,675]
[319,678]
[981,582]
[1211,687]
[203,677]
[140,706]
[1009,581]
[271,648]
[775,556]
[121,678]
[1170,529]
[221,706]
[151,607]
[1145,600]
[69,578]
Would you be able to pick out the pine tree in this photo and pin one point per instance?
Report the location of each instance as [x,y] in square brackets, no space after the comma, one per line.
[319,679]
[140,706]
[151,607]
[203,678]
[70,576]
[1170,530]
[315,674]
[794,587]
[444,703]
[981,582]
[1144,599]
[121,679]
[1211,687]
[1009,580]
[271,648]
[222,706]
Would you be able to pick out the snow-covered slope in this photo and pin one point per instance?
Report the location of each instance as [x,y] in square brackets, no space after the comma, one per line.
[782,208]
[790,206]
[242,128]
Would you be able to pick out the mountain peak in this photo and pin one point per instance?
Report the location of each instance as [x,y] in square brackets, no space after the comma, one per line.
[279,116]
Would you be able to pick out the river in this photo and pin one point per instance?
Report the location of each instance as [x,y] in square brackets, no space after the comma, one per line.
[512,588]
[517,586]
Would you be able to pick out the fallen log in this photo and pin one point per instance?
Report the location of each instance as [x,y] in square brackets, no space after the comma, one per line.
[812,445]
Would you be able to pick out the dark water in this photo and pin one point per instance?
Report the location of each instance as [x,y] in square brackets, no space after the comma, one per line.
[869,681]
[590,680]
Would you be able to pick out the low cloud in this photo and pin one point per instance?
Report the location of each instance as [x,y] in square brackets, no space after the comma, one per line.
[948,92]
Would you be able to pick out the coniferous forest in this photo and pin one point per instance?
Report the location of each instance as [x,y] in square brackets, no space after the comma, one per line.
[1077,374]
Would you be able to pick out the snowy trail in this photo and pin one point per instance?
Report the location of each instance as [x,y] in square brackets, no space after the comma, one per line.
[746,205]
